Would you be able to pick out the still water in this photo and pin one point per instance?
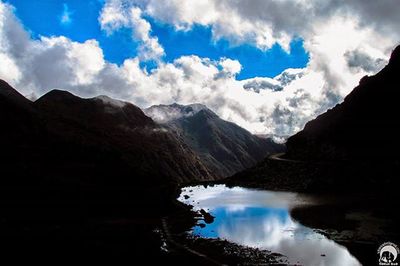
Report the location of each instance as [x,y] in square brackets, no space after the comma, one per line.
[261,219]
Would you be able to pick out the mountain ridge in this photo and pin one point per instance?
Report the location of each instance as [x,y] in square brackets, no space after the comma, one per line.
[225,147]
[353,147]
[348,131]
[93,191]
[64,131]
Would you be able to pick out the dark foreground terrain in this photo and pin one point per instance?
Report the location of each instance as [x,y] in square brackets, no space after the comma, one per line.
[360,222]
[85,180]
[90,181]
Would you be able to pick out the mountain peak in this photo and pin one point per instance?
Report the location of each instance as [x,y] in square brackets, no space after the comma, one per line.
[5,87]
[167,113]
[57,95]
[110,101]
[8,93]
[224,147]
[194,107]
[100,110]
[7,90]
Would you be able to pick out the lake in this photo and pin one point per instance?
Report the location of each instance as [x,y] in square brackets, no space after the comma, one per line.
[262,219]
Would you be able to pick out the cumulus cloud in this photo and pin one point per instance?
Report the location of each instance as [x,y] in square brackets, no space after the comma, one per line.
[267,22]
[342,49]
[230,67]
[329,28]
[117,14]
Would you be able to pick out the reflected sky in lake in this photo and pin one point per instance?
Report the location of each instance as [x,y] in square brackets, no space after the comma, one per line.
[261,219]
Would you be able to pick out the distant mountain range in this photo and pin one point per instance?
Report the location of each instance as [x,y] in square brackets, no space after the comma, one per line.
[64,139]
[352,147]
[224,147]
[97,141]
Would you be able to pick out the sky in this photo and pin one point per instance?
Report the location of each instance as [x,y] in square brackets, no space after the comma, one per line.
[269,66]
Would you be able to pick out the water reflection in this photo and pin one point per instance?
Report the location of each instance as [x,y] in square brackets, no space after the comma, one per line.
[262,219]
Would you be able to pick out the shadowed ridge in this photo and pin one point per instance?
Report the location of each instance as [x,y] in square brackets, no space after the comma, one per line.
[353,147]
[395,57]
[87,177]
[10,94]
[18,118]
[224,147]
[100,111]
[365,126]
[57,95]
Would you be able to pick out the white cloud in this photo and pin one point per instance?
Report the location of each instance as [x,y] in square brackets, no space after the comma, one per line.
[8,70]
[230,67]
[166,113]
[118,14]
[113,17]
[223,19]
[264,23]
[65,18]
[279,105]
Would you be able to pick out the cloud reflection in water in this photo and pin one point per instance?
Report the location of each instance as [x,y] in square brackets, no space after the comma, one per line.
[261,219]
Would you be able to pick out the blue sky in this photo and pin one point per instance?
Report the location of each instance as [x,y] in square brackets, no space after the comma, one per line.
[341,49]
[78,20]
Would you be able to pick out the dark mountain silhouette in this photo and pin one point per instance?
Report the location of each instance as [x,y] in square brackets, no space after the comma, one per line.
[142,143]
[365,126]
[64,134]
[86,179]
[223,146]
[352,147]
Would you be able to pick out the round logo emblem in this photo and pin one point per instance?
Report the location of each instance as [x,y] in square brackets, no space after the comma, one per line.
[388,253]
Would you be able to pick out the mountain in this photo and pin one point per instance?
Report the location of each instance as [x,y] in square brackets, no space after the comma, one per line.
[65,136]
[224,147]
[352,147]
[365,126]
[91,177]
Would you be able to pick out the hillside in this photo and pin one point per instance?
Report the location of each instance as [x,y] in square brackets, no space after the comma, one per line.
[365,126]
[352,147]
[224,147]
[66,137]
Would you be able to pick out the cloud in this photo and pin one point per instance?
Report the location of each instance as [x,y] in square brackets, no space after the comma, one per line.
[258,84]
[230,67]
[166,113]
[275,84]
[342,49]
[329,28]
[264,23]
[65,18]
[357,59]
[118,14]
